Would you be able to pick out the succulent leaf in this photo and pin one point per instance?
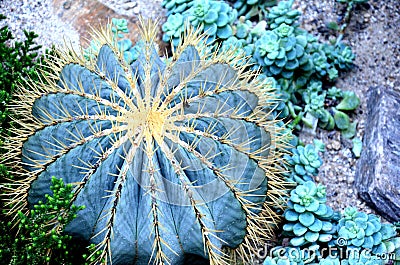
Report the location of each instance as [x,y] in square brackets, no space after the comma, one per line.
[350,101]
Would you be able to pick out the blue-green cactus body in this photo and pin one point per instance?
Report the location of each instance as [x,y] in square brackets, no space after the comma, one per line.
[169,160]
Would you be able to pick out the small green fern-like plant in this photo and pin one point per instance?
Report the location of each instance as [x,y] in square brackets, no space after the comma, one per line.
[38,238]
[169,159]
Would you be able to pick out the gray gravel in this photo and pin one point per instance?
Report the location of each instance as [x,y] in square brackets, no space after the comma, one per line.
[373,34]
[36,16]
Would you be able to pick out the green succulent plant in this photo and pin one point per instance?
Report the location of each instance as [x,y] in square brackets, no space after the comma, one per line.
[305,160]
[245,34]
[119,27]
[314,98]
[281,52]
[334,93]
[243,28]
[169,159]
[38,239]
[357,147]
[342,120]
[215,18]
[350,101]
[283,14]
[308,216]
[320,62]
[342,56]
[366,231]
[314,102]
[173,29]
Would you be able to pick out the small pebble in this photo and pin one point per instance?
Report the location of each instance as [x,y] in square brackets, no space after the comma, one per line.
[336,145]
[350,180]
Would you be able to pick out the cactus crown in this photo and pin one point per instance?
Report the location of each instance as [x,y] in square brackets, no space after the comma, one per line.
[169,159]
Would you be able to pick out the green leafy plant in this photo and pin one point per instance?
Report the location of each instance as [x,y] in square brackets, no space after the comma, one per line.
[170,159]
[18,61]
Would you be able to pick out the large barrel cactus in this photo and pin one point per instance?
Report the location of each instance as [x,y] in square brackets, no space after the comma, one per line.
[170,157]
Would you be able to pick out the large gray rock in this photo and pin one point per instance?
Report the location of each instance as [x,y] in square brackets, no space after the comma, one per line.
[378,169]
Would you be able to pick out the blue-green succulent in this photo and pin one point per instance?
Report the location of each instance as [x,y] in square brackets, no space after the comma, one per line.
[342,120]
[243,28]
[314,98]
[280,52]
[334,93]
[350,101]
[320,62]
[173,28]
[365,231]
[305,160]
[283,14]
[119,27]
[341,55]
[246,33]
[308,216]
[215,18]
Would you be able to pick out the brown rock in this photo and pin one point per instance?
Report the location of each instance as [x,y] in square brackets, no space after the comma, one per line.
[86,15]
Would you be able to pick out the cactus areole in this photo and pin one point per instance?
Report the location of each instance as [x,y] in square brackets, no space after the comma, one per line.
[169,159]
